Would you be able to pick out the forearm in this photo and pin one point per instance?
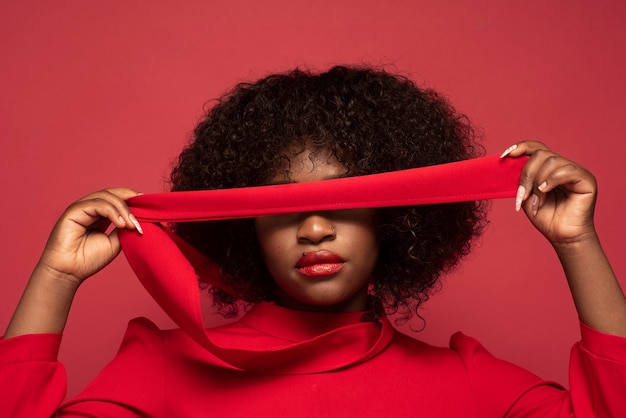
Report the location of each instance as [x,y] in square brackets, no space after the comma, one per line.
[44,305]
[596,291]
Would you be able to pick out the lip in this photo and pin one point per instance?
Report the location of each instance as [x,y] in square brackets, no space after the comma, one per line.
[320,263]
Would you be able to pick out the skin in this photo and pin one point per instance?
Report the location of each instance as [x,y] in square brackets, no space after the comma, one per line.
[557,195]
[350,234]
[559,198]
[77,248]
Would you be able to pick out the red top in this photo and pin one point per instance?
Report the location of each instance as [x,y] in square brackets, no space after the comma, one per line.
[167,374]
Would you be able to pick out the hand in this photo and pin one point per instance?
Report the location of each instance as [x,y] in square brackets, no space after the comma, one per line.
[79,245]
[559,198]
[557,194]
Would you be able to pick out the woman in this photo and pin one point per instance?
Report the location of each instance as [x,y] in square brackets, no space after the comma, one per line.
[317,341]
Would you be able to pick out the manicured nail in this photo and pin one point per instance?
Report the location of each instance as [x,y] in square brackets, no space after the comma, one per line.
[508,150]
[542,186]
[521,191]
[121,220]
[534,202]
[136,223]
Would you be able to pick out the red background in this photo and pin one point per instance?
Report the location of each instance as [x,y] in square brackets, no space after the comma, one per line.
[105,94]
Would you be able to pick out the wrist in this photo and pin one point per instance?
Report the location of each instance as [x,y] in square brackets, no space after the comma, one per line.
[45,303]
[55,281]
[581,244]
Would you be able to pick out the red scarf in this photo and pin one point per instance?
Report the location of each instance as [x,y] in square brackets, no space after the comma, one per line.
[169,268]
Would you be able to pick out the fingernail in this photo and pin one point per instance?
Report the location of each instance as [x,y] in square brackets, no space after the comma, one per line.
[136,223]
[534,202]
[519,198]
[121,220]
[543,186]
[508,150]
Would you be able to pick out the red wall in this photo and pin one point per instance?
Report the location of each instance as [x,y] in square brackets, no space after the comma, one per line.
[97,95]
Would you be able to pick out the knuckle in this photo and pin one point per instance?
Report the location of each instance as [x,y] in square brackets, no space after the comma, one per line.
[572,167]
[543,153]
[552,159]
[566,170]
[525,177]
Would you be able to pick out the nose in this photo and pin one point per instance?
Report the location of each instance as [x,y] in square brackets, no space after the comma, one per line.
[315,228]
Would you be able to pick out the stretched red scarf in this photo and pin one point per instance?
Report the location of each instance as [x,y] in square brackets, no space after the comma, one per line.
[169,268]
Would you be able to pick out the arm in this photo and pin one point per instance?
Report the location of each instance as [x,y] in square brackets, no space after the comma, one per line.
[31,379]
[78,247]
[559,196]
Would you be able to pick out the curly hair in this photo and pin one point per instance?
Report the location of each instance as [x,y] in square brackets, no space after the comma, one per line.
[371,121]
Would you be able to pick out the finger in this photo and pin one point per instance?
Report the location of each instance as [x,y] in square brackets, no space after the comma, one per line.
[125,194]
[543,168]
[557,171]
[116,247]
[550,171]
[101,225]
[527,182]
[117,197]
[519,149]
[523,148]
[96,213]
[532,204]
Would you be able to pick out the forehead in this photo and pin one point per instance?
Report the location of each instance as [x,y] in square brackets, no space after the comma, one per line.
[308,165]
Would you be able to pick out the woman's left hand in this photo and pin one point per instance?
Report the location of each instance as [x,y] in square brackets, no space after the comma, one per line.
[557,194]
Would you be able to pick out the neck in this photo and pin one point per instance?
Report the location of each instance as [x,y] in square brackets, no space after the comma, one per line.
[357,303]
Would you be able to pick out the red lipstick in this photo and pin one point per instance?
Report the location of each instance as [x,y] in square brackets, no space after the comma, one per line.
[319,263]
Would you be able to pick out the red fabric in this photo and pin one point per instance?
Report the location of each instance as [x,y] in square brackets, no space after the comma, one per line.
[275,362]
[165,373]
[477,179]
[29,371]
[169,269]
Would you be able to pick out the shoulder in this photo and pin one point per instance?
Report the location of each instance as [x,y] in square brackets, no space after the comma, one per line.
[142,330]
[144,338]
[480,363]
[469,369]
[413,346]
[462,348]
[410,353]
[465,356]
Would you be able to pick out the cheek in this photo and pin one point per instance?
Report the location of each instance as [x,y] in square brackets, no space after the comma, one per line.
[270,238]
[368,234]
[373,247]
[364,243]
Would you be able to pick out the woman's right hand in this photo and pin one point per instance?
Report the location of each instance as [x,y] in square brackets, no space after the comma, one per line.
[79,245]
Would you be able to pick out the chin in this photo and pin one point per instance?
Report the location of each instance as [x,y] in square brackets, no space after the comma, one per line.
[325,304]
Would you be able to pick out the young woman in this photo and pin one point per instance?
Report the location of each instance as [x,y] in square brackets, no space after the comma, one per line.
[317,285]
